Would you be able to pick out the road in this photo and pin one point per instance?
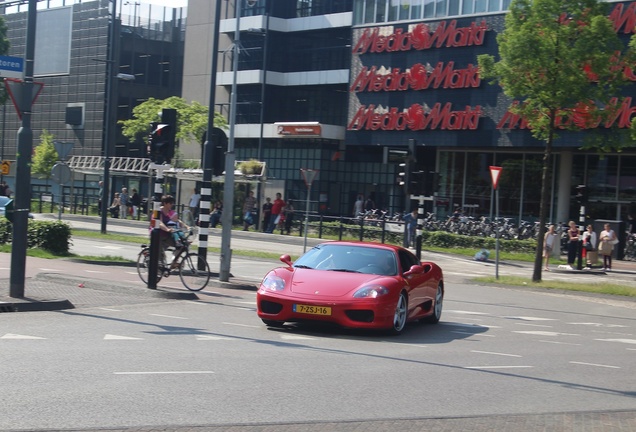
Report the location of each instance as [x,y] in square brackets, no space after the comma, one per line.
[509,356]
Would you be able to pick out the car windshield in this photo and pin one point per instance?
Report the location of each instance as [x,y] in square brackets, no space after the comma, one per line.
[349,258]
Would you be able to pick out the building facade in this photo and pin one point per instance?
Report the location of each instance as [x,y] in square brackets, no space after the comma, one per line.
[72,58]
[329,57]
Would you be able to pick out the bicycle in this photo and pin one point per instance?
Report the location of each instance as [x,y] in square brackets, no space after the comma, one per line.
[186,262]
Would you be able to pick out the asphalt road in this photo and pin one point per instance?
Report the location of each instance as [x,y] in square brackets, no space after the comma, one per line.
[500,359]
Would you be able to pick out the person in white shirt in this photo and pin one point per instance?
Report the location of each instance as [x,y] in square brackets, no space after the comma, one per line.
[606,246]
[194,204]
[548,245]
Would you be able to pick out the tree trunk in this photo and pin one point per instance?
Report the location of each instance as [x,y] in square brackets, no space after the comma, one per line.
[545,200]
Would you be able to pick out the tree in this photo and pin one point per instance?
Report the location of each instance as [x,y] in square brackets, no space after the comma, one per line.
[562,61]
[44,156]
[192,119]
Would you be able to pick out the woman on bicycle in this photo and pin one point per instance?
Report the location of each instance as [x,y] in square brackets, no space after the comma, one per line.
[166,214]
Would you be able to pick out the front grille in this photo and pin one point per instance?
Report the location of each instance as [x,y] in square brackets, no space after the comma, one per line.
[360,315]
[269,307]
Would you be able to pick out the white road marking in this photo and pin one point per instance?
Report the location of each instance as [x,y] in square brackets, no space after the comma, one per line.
[94,271]
[545,333]
[109,247]
[208,337]
[110,310]
[117,337]
[242,325]
[534,325]
[599,325]
[472,334]
[627,341]
[497,367]
[163,373]
[527,318]
[253,302]
[294,337]
[560,343]
[611,333]
[169,316]
[50,270]
[495,353]
[595,364]
[465,312]
[17,336]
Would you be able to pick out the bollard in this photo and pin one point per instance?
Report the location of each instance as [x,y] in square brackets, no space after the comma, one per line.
[418,247]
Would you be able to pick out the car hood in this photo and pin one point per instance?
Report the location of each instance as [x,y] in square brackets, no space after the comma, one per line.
[331,283]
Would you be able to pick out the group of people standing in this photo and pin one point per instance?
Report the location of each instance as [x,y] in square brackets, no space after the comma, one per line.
[125,204]
[278,214]
[592,244]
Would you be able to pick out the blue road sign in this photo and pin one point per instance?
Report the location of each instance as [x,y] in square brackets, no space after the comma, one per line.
[11,67]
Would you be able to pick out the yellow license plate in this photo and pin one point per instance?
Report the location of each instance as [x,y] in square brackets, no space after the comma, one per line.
[312,310]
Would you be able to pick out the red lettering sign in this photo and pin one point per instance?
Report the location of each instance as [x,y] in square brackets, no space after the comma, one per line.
[416,117]
[625,20]
[421,38]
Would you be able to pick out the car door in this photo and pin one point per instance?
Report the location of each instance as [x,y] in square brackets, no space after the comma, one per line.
[419,289]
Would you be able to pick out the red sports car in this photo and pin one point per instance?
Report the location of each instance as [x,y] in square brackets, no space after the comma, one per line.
[355,285]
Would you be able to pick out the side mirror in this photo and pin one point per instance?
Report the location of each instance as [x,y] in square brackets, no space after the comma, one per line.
[415,269]
[286,259]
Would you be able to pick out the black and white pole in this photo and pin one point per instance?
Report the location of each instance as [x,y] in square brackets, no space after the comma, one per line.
[155,233]
[495,173]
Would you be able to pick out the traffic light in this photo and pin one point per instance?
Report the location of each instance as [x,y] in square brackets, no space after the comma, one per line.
[161,141]
[417,182]
[219,148]
[581,194]
[432,183]
[402,179]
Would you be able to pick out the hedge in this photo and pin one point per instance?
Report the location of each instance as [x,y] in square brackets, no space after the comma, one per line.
[53,236]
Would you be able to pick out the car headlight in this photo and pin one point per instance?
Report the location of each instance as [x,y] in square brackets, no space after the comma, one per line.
[273,283]
[371,291]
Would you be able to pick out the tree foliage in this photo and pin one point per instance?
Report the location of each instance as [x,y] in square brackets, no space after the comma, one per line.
[562,62]
[44,156]
[192,119]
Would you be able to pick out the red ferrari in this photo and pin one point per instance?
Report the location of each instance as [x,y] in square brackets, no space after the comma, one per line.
[355,285]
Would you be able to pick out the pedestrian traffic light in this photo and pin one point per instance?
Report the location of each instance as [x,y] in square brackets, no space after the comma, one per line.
[417,182]
[581,194]
[218,150]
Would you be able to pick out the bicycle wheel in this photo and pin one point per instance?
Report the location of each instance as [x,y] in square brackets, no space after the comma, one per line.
[143,263]
[191,277]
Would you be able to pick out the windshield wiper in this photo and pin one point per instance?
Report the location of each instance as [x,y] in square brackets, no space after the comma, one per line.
[345,270]
[303,266]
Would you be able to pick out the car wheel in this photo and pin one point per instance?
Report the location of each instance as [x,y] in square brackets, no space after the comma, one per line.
[437,307]
[271,323]
[400,315]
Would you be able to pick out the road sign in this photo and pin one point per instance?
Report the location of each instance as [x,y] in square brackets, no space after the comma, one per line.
[495,172]
[5,167]
[11,67]
[15,88]
[61,173]
[309,175]
[63,148]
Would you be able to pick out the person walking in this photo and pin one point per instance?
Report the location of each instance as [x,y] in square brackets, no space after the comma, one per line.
[606,246]
[358,206]
[248,210]
[277,208]
[195,199]
[123,203]
[590,254]
[573,243]
[267,213]
[411,227]
[548,245]
[135,201]
[288,211]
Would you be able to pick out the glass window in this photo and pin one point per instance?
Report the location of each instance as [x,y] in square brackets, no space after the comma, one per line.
[440,8]
[480,5]
[627,180]
[494,5]
[380,12]
[468,6]
[429,8]
[369,11]
[453,7]
[416,9]
[358,11]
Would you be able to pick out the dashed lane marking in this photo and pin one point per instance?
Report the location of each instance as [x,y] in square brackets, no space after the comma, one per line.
[117,337]
[527,318]
[497,367]
[596,364]
[534,325]
[472,334]
[559,343]
[18,336]
[163,372]
[465,312]
[495,353]
[626,341]
[215,338]
[169,316]
[545,333]
[598,324]
[110,310]
[242,325]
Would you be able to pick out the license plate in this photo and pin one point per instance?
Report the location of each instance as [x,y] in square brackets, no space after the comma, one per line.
[312,310]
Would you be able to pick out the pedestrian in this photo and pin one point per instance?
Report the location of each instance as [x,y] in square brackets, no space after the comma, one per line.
[267,213]
[123,200]
[411,227]
[358,206]
[288,211]
[100,196]
[135,202]
[277,208]
[248,210]
[195,199]
[115,207]
[369,204]
[549,240]
[590,254]
[573,243]
[607,240]
[217,211]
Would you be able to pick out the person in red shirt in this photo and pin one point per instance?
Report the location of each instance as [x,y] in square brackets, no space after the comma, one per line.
[277,208]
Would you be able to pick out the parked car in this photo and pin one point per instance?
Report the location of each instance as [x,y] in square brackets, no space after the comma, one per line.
[355,285]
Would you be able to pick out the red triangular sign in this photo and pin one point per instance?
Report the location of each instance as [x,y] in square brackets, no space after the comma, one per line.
[495,171]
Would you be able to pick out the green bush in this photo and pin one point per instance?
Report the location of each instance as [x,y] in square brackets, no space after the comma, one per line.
[447,240]
[53,236]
